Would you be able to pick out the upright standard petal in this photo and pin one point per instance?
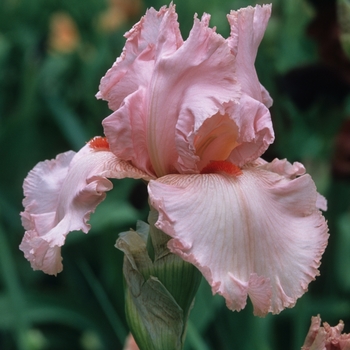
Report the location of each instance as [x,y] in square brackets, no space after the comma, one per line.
[253,118]
[126,131]
[156,32]
[187,88]
[60,196]
[179,105]
[126,85]
[257,233]
[189,82]
[248,26]
[255,130]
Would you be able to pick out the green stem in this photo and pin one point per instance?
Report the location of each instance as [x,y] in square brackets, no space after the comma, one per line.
[10,277]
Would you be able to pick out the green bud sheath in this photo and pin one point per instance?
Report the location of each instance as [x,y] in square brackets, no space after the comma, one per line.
[160,288]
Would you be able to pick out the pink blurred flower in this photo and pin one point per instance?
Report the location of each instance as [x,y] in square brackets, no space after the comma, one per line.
[191,118]
[326,337]
[63,35]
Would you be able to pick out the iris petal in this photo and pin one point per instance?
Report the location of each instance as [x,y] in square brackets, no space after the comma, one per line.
[259,234]
[60,196]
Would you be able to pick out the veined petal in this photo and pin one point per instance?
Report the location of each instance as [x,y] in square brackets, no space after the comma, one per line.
[291,171]
[284,168]
[156,33]
[60,196]
[258,234]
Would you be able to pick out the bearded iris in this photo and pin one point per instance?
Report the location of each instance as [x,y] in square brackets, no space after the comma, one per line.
[191,118]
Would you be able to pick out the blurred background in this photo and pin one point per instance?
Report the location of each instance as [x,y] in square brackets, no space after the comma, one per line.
[53,54]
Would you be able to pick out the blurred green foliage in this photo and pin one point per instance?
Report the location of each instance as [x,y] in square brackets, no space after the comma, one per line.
[47,106]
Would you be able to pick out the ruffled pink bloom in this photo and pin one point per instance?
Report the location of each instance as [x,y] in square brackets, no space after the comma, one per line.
[326,337]
[192,118]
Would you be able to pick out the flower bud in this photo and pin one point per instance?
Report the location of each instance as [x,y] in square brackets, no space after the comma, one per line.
[159,287]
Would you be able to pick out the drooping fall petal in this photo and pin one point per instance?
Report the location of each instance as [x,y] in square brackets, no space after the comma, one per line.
[283,167]
[258,234]
[60,196]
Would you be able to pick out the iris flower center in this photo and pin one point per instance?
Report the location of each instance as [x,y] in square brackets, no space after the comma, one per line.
[99,143]
[222,166]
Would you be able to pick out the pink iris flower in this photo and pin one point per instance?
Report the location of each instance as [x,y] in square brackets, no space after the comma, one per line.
[326,337]
[191,118]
